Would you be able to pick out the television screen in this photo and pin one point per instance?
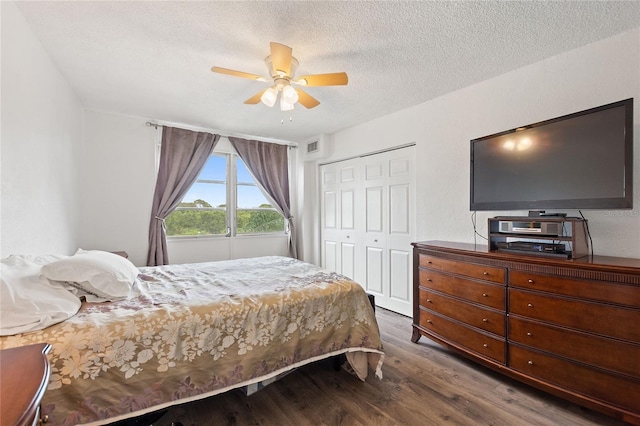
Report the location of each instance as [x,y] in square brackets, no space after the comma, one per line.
[578,161]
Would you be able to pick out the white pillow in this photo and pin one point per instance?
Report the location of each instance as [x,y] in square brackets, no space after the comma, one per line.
[106,275]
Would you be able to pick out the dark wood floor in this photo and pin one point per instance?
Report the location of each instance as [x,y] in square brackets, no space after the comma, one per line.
[423,384]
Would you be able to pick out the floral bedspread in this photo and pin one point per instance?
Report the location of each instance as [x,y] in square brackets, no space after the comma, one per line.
[195,330]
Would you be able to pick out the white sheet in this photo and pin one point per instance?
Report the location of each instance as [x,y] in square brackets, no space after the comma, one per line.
[29,301]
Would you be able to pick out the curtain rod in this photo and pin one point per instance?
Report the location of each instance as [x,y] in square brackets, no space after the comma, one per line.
[196,128]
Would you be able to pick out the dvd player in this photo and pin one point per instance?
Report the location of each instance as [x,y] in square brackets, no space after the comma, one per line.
[531,246]
[530,227]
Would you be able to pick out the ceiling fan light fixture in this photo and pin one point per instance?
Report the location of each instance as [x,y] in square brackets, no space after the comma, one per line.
[289,94]
[284,105]
[269,97]
[302,82]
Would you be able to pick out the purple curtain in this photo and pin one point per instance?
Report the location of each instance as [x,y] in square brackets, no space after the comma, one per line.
[182,156]
[269,165]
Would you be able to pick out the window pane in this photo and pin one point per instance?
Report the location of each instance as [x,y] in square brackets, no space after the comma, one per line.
[196,222]
[256,221]
[215,169]
[204,194]
[203,208]
[250,197]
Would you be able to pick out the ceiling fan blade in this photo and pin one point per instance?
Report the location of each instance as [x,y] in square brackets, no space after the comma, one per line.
[306,99]
[235,73]
[255,98]
[331,79]
[281,58]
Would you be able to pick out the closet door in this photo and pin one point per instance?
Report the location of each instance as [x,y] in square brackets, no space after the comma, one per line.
[340,201]
[389,224]
[401,231]
[368,222]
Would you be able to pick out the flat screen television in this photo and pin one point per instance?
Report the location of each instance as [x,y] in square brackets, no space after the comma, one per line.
[578,161]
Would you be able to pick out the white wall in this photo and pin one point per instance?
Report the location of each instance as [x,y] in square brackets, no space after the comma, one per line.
[118,174]
[308,214]
[40,143]
[593,75]
[190,250]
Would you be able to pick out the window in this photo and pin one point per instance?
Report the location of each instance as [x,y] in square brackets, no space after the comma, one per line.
[224,200]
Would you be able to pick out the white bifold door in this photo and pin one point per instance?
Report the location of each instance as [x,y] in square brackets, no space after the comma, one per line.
[368,222]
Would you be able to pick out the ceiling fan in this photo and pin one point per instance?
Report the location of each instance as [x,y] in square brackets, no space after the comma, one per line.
[282,68]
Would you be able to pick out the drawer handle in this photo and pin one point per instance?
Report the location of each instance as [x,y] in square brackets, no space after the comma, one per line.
[485,345]
[531,281]
[429,280]
[485,320]
[485,273]
[530,362]
[429,301]
[429,322]
[529,334]
[429,262]
[530,305]
[44,419]
[485,295]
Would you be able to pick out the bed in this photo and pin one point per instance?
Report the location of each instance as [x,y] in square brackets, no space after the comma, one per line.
[186,332]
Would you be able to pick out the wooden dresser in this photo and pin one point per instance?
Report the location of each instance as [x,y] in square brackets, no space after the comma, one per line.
[569,327]
[24,376]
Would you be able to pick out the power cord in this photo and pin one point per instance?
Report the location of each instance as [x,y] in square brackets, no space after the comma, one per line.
[475,229]
[586,225]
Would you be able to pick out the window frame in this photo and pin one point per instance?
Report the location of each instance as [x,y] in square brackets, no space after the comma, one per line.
[231,208]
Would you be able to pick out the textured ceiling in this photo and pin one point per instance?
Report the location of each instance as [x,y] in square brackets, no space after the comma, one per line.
[153,59]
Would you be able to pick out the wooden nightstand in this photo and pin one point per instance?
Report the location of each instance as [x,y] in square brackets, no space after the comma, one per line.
[24,376]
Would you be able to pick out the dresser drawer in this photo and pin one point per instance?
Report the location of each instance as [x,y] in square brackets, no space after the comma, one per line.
[607,320]
[622,294]
[492,295]
[610,354]
[472,270]
[461,335]
[580,378]
[468,313]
